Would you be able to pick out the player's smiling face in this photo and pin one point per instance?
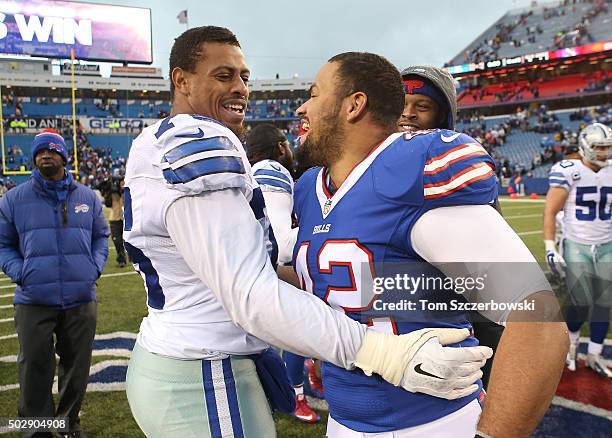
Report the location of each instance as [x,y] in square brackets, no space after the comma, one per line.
[320,119]
[420,112]
[218,86]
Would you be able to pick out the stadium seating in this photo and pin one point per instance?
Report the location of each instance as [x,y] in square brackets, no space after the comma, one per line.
[520,147]
[90,108]
[521,91]
[258,110]
[544,22]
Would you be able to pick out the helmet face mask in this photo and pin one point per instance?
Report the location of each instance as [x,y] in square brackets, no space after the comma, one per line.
[595,144]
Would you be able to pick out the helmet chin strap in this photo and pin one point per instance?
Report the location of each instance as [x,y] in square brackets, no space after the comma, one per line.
[591,158]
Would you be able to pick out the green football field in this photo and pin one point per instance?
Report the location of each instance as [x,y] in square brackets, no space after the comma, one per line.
[121,307]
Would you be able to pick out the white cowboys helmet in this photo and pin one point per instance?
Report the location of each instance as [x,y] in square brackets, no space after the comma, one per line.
[595,144]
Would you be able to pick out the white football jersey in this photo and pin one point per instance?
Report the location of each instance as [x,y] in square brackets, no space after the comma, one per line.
[184,155]
[273,177]
[587,213]
[276,184]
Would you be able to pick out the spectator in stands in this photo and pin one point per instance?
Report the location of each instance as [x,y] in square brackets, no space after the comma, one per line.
[55,257]
[537,160]
[18,108]
[10,184]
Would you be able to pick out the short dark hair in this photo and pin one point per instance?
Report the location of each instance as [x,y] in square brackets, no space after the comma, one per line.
[187,49]
[375,76]
[261,142]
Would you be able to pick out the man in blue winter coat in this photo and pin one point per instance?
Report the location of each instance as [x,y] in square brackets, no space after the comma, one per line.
[53,245]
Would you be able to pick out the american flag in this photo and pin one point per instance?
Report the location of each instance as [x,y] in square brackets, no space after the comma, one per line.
[182,16]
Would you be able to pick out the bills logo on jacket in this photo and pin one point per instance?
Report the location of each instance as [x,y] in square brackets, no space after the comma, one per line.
[81,208]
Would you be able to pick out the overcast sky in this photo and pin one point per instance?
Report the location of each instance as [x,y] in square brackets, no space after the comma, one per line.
[297,37]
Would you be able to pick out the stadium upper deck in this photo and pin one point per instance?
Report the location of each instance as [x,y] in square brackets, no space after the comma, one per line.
[544,27]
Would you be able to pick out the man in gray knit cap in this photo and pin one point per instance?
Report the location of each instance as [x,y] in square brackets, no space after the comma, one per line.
[430,99]
[430,102]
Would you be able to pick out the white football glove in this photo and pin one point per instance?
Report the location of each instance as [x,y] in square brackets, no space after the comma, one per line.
[554,259]
[419,362]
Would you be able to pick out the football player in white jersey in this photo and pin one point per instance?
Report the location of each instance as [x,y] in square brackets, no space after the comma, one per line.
[582,189]
[196,229]
[271,158]
[270,154]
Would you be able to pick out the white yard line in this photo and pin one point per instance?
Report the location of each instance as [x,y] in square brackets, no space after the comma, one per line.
[524,207]
[534,201]
[529,233]
[577,406]
[116,274]
[522,216]
[128,335]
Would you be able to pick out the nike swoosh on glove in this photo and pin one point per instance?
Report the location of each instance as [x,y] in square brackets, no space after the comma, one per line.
[420,362]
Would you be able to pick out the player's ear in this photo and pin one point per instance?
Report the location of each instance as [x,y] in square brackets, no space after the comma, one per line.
[280,150]
[180,81]
[356,109]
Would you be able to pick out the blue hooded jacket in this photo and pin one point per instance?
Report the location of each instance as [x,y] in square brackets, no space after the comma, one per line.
[53,245]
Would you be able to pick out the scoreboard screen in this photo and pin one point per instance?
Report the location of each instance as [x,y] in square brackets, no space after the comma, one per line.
[96,32]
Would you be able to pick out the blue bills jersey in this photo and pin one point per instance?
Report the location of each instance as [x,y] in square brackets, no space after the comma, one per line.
[349,238]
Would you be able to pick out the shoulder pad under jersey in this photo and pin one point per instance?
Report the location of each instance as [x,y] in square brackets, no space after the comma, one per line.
[273,176]
[200,154]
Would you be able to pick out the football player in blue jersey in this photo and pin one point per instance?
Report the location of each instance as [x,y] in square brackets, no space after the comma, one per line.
[421,199]
[582,189]
[430,101]
[196,228]
[271,156]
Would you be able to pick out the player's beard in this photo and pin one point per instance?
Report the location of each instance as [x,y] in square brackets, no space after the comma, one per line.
[287,162]
[323,145]
[238,130]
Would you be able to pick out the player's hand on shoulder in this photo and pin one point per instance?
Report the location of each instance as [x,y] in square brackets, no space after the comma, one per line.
[419,361]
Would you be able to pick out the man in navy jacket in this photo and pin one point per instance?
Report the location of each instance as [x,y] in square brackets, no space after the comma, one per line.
[53,245]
